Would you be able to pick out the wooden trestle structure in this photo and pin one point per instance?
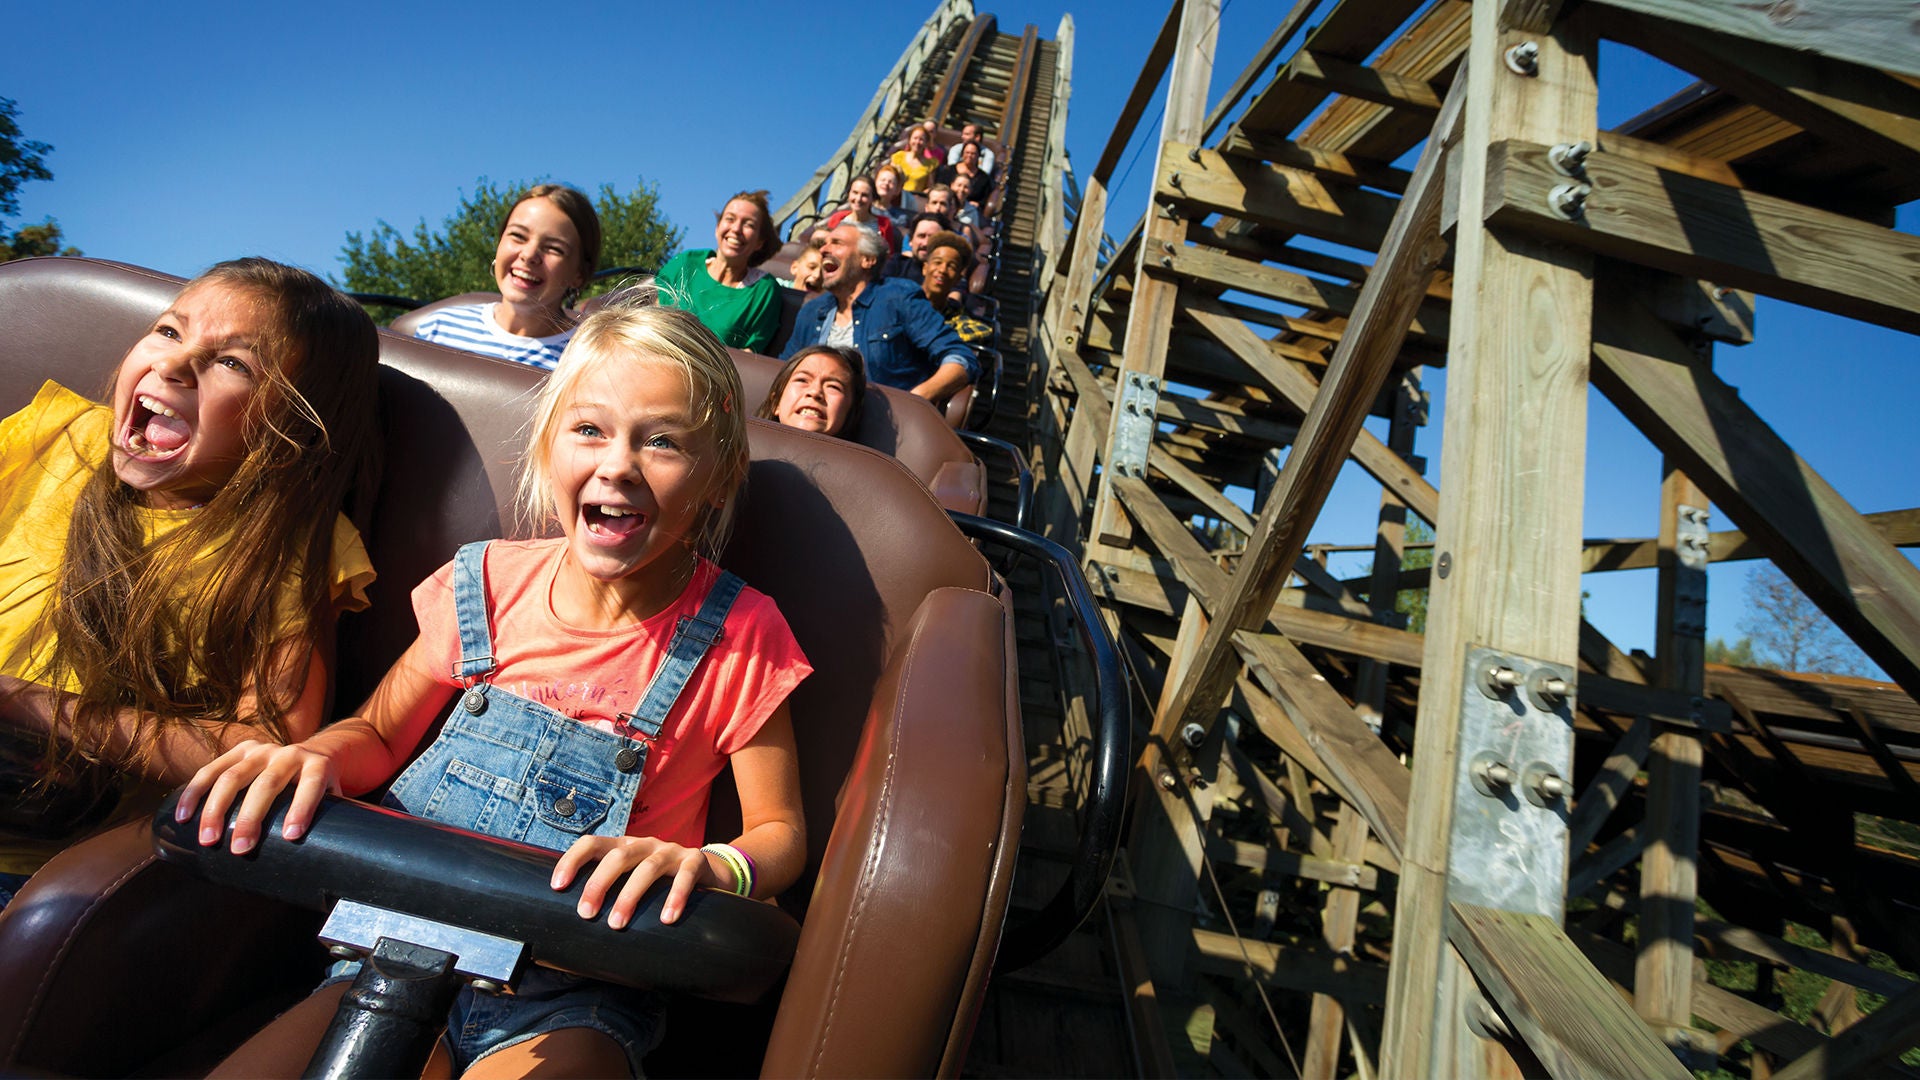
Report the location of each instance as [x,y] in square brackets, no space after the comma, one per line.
[1360,851]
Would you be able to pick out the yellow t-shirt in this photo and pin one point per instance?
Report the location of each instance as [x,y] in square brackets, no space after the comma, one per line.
[47,453]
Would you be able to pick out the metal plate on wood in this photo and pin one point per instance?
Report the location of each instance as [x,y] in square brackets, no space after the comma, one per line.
[1133,434]
[1509,845]
[1691,545]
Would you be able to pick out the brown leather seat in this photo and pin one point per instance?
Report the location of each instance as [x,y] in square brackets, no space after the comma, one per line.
[912,775]
[896,423]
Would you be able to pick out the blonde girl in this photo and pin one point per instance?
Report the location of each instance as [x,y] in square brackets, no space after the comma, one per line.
[619,645]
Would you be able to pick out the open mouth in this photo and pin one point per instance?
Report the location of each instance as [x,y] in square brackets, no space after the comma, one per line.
[524,280]
[612,521]
[154,430]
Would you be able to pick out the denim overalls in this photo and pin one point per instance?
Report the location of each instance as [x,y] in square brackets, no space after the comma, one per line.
[518,770]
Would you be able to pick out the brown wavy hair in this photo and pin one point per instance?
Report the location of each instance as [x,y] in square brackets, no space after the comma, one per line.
[769,233]
[192,658]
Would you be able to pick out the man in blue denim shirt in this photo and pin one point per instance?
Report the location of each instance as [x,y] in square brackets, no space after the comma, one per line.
[906,343]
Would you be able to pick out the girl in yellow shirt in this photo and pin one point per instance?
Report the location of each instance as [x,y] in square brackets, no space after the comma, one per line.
[171,562]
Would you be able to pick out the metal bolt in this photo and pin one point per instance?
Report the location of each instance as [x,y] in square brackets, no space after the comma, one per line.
[1168,781]
[1193,153]
[1544,787]
[1193,735]
[486,986]
[1570,158]
[1498,680]
[1166,260]
[343,952]
[1174,179]
[1166,246]
[1569,201]
[1444,565]
[1492,777]
[1524,58]
[1133,408]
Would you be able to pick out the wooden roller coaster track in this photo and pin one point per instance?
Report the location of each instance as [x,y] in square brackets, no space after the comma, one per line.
[1488,848]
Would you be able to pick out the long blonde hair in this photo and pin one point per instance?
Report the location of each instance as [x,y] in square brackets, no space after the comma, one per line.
[187,641]
[633,327]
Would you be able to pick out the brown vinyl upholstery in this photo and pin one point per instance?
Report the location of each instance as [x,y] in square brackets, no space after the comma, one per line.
[897,423]
[908,735]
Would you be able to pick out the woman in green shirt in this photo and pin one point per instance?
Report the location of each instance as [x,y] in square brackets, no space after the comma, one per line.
[723,285]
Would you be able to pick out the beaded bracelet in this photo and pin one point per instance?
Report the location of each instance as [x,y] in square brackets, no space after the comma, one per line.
[739,863]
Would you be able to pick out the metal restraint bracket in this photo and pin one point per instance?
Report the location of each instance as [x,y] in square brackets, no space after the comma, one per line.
[1136,409]
[1512,790]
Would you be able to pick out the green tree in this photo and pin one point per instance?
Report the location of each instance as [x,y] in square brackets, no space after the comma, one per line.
[31,240]
[457,256]
[22,160]
[1739,654]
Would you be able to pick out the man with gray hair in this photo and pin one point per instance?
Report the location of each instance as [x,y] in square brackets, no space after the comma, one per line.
[906,343]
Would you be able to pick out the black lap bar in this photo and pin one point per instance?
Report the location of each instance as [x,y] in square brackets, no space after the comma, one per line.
[723,946]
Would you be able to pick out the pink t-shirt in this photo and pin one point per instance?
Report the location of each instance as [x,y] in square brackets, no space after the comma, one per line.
[594,675]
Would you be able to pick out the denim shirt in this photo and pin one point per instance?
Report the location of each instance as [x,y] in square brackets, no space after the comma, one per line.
[902,337]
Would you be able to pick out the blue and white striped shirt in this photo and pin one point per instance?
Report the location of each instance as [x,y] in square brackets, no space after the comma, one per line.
[471,327]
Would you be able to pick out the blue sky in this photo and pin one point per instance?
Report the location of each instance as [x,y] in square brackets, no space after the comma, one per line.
[185,134]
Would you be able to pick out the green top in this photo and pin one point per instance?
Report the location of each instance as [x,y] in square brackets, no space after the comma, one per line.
[744,318]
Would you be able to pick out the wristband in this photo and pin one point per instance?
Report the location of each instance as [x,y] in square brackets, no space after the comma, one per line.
[739,863]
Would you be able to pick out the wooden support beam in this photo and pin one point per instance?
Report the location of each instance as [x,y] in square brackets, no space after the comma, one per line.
[1609,786]
[1570,1018]
[1697,228]
[1360,366]
[1842,101]
[1326,164]
[1295,968]
[1861,582]
[1881,1037]
[1326,1021]
[1590,870]
[1776,950]
[1214,268]
[1875,33]
[1514,445]
[1197,181]
[1274,863]
[1363,82]
[1150,315]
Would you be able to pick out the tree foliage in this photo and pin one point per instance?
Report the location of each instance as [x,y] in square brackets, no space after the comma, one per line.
[457,256]
[1789,633]
[1738,654]
[22,160]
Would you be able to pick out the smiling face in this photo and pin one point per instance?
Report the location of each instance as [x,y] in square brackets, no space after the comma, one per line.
[738,234]
[841,262]
[886,186]
[181,396]
[962,187]
[940,201]
[632,478]
[860,199]
[818,395]
[939,272]
[970,133]
[970,154]
[917,143]
[538,257]
[806,271]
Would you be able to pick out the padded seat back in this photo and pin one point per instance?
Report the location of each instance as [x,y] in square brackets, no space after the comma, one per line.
[908,731]
[900,425]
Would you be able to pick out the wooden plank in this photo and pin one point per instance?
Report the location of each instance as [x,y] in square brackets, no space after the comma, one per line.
[1312,970]
[1200,181]
[1570,1018]
[1876,33]
[1592,869]
[1848,104]
[1151,1055]
[1324,163]
[1150,315]
[1360,81]
[1275,863]
[1326,1021]
[1359,368]
[1785,953]
[1697,228]
[1228,272]
[1669,874]
[1881,1037]
[1514,442]
[1869,589]
[1609,785]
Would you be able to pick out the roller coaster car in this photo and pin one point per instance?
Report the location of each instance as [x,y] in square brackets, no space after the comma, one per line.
[116,961]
